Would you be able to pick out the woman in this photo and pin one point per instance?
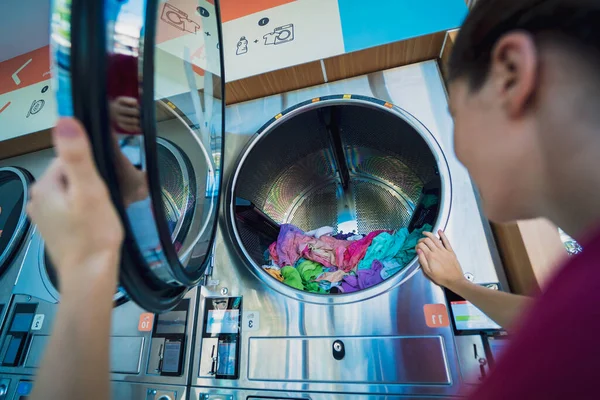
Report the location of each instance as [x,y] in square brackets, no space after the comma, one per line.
[524,93]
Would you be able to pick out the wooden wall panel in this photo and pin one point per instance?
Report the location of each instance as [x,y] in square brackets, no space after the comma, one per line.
[531,252]
[384,57]
[280,81]
[26,144]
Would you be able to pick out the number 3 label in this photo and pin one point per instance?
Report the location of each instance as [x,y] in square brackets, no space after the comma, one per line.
[436,315]
[251,321]
[38,322]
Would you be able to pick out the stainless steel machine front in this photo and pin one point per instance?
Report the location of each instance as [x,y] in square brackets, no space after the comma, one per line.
[387,341]
[146,349]
[19,387]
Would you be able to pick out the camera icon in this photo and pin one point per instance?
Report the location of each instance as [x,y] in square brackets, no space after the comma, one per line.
[281,34]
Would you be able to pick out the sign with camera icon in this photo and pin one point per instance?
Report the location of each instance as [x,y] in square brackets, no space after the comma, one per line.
[280,37]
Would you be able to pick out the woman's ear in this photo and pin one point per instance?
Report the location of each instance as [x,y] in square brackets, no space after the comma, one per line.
[514,72]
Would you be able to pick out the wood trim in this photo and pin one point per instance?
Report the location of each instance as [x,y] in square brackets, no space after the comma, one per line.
[26,144]
[275,82]
[531,252]
[384,57]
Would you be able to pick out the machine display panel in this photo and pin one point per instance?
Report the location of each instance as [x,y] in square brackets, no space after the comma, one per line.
[467,318]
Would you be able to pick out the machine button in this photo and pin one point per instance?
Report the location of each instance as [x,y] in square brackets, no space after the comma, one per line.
[3,390]
[338,350]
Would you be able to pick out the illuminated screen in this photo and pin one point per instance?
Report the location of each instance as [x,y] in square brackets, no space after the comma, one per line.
[467,317]
[223,321]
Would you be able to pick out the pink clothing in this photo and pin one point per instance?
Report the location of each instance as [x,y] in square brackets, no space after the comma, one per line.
[356,251]
[273,252]
[327,251]
[293,244]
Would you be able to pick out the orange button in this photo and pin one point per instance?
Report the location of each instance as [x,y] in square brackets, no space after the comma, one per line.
[436,315]
[146,322]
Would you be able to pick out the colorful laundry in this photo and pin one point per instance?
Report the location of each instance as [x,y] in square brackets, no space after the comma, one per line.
[317,233]
[291,277]
[332,277]
[363,279]
[429,200]
[399,246]
[356,251]
[384,246]
[327,251]
[275,273]
[290,244]
[302,277]
[344,236]
[326,264]
[390,268]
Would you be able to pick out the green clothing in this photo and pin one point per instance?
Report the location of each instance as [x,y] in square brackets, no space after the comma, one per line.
[429,200]
[291,277]
[303,276]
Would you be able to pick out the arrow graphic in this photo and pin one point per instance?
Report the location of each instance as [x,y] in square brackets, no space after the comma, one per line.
[2,109]
[15,75]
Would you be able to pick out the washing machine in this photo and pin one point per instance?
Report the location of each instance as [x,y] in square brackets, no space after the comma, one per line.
[14,230]
[146,349]
[19,387]
[369,154]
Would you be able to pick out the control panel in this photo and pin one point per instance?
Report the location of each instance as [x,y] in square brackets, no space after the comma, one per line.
[168,341]
[219,357]
[18,337]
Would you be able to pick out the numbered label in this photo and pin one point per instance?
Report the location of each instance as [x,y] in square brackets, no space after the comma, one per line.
[146,322]
[436,315]
[38,322]
[251,321]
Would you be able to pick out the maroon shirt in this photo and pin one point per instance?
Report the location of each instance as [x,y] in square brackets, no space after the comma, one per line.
[556,353]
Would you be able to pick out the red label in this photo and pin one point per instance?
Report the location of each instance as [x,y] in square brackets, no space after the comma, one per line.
[146,322]
[436,315]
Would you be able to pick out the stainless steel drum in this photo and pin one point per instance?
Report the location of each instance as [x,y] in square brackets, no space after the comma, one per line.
[357,165]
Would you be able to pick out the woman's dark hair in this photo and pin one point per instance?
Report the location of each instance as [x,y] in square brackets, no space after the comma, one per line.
[576,23]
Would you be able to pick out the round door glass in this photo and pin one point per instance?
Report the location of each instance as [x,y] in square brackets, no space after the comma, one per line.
[160,149]
[172,216]
[13,219]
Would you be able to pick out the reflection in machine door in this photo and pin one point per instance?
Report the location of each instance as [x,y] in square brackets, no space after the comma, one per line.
[138,79]
[14,230]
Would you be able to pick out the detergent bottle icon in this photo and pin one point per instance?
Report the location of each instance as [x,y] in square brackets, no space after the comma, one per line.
[242,46]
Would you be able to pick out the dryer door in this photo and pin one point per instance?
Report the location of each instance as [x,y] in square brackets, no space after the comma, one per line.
[146,79]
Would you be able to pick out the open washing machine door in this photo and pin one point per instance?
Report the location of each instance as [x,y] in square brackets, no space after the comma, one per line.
[121,66]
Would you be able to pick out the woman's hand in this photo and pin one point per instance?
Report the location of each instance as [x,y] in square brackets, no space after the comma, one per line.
[125,113]
[439,261]
[73,211]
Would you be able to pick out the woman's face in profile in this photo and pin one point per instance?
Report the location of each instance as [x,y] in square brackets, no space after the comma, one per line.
[489,145]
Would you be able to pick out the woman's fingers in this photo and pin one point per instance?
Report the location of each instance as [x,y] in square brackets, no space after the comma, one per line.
[74,152]
[445,240]
[435,239]
[423,259]
[429,243]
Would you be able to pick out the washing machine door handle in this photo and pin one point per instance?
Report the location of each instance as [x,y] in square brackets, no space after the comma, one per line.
[146,79]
